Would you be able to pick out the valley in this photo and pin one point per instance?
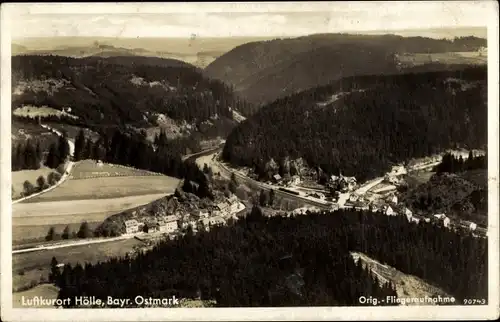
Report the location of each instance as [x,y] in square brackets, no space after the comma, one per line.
[250,172]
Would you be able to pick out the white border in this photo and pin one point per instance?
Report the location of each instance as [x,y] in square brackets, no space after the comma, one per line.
[232,314]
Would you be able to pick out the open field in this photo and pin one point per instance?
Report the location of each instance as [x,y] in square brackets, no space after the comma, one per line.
[18,178]
[47,291]
[109,187]
[416,59]
[35,111]
[35,265]
[73,130]
[75,211]
[406,285]
[26,234]
[90,169]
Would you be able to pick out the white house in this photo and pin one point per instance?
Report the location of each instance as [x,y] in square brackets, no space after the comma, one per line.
[394,200]
[168,226]
[407,212]
[131,226]
[427,220]
[203,214]
[415,220]
[440,216]
[389,211]
[446,222]
[295,180]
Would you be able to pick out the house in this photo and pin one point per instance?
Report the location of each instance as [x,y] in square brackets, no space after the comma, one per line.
[440,216]
[470,225]
[354,197]
[168,226]
[295,180]
[170,218]
[415,220]
[277,178]
[389,211]
[222,209]
[407,212]
[99,163]
[394,199]
[217,220]
[398,170]
[427,220]
[203,214]
[131,226]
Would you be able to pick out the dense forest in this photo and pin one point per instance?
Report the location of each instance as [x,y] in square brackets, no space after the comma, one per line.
[263,71]
[131,148]
[452,164]
[362,125]
[105,92]
[30,156]
[296,261]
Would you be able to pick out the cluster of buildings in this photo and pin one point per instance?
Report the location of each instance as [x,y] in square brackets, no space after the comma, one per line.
[168,224]
[341,183]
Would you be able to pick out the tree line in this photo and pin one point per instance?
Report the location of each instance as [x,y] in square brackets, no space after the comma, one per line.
[83,232]
[453,164]
[131,148]
[296,261]
[360,126]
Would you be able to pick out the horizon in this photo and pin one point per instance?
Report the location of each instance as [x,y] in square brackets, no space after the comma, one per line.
[242,20]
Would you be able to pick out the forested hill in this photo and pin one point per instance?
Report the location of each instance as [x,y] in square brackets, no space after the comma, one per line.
[361,125]
[298,261]
[265,70]
[122,90]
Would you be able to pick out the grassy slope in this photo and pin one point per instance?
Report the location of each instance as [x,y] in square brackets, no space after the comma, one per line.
[37,264]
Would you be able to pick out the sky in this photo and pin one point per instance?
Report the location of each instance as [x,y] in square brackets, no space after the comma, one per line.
[239,19]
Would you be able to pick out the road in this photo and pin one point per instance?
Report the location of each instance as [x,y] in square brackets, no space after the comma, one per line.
[72,244]
[66,174]
[203,153]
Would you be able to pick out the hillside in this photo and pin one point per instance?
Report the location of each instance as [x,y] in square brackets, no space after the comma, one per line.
[362,125]
[463,196]
[265,70]
[137,91]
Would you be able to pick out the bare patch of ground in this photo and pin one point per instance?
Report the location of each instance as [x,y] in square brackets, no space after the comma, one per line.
[407,286]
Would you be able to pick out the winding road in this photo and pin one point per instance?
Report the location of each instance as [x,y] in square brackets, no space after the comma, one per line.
[66,174]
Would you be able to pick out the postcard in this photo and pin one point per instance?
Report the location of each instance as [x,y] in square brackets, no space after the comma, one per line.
[249,161]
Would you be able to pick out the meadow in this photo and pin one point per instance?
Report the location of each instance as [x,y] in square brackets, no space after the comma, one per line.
[29,268]
[31,221]
[18,178]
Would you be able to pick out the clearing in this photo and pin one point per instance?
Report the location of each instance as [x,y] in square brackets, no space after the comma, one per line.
[415,59]
[18,178]
[29,268]
[60,213]
[26,234]
[109,187]
[91,169]
[406,285]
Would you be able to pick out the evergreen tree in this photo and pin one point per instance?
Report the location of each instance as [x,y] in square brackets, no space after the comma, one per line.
[41,183]
[84,231]
[54,274]
[263,198]
[66,233]
[63,147]
[50,234]
[79,145]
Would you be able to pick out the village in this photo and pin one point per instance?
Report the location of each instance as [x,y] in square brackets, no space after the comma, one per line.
[379,195]
[176,218]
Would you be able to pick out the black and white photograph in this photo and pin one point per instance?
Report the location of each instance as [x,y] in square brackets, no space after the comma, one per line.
[294,160]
